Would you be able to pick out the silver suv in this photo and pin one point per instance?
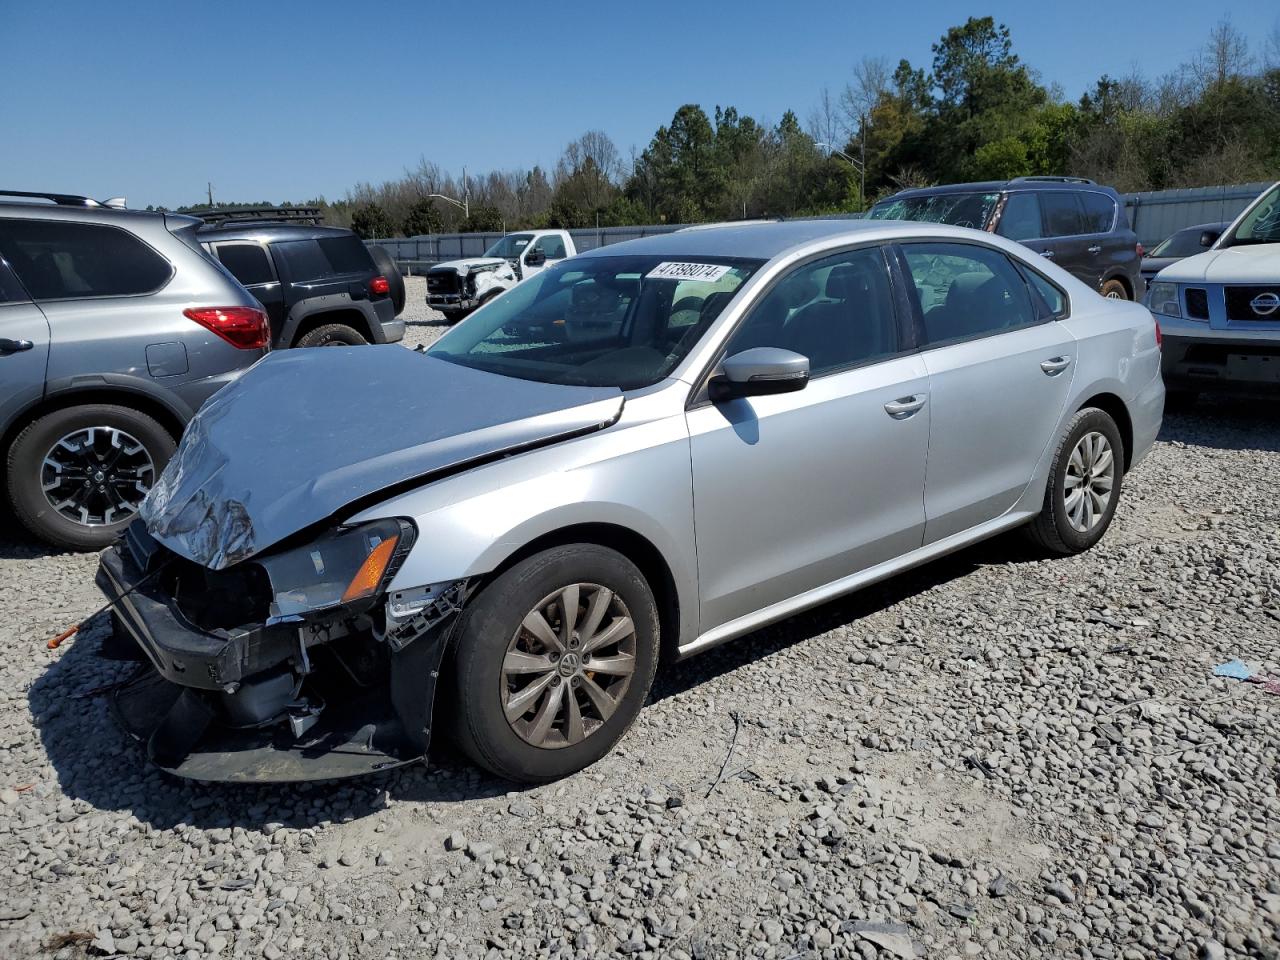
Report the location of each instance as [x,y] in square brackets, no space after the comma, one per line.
[115,325]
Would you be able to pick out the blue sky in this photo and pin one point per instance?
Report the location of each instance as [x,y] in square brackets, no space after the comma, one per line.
[284,100]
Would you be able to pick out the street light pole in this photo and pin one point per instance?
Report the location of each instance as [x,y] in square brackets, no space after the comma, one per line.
[860,166]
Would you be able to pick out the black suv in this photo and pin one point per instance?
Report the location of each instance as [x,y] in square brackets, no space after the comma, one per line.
[321,286]
[1074,222]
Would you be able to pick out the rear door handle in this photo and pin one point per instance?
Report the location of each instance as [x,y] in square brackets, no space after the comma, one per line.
[904,407]
[1048,253]
[1055,365]
[1095,249]
[14,346]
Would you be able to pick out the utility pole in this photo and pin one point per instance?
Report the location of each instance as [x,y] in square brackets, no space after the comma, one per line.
[862,167]
[209,185]
[466,195]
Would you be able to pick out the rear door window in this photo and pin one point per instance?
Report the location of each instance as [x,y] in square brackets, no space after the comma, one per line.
[59,260]
[248,262]
[1062,214]
[966,291]
[1021,217]
[1099,212]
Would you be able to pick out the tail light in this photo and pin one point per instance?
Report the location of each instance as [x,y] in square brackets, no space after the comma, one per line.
[1159,336]
[245,328]
[1141,252]
[379,286]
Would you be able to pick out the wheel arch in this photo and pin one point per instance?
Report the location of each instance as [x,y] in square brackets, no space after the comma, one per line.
[635,547]
[348,317]
[1118,411]
[166,412]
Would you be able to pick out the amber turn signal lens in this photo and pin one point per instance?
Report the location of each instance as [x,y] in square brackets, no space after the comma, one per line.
[370,573]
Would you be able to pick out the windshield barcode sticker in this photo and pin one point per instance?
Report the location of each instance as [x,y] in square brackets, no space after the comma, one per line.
[706,272]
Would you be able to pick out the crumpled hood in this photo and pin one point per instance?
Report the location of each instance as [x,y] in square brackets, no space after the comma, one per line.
[462,266]
[1256,263]
[303,433]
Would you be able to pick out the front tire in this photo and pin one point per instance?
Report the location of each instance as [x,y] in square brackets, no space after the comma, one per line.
[1084,485]
[555,659]
[76,476]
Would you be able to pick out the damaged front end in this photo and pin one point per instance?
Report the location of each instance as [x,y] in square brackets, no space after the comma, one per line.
[294,665]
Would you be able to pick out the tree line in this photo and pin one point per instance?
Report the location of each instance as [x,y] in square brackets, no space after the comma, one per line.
[977,112]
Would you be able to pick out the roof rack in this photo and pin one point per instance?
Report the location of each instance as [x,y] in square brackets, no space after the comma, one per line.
[67,199]
[1039,179]
[216,218]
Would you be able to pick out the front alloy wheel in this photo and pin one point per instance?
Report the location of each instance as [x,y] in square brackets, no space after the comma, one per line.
[555,657]
[568,666]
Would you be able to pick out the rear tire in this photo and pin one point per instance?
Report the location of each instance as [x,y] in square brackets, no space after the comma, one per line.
[1079,468]
[110,423]
[452,316]
[332,335]
[1115,290]
[387,267]
[493,635]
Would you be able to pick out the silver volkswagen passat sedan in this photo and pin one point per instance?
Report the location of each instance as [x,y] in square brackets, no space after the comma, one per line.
[654,447]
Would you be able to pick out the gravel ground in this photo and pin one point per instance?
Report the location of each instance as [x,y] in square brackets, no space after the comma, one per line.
[993,756]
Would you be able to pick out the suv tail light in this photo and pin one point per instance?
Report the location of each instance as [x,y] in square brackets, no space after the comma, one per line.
[379,286]
[1141,252]
[245,328]
[1159,336]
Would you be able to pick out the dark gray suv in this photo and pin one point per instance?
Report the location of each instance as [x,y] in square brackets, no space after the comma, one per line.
[115,326]
[1074,222]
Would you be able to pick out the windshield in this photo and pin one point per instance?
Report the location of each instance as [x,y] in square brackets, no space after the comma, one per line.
[957,209]
[1184,243]
[621,322]
[510,246]
[1262,225]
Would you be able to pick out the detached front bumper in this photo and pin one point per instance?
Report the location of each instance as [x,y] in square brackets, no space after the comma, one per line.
[268,704]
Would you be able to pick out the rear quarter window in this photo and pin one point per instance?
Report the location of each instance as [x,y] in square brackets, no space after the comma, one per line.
[60,260]
[326,257]
[247,262]
[1099,212]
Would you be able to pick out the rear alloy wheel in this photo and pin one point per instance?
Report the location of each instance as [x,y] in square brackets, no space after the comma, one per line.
[1084,485]
[332,335]
[555,659]
[77,476]
[1115,290]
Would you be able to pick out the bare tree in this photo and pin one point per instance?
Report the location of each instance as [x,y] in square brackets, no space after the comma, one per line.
[826,125]
[872,79]
[1225,56]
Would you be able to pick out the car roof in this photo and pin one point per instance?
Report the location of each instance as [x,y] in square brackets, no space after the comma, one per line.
[269,232]
[43,210]
[765,241]
[998,186]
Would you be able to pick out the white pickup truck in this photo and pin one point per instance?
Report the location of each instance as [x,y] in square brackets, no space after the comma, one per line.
[1220,310]
[457,287]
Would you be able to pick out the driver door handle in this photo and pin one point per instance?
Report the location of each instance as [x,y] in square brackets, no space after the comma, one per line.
[1095,249]
[904,407]
[1048,253]
[14,346]
[1055,365]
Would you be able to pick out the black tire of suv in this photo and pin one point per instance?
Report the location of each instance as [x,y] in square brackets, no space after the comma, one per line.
[332,335]
[387,267]
[484,631]
[1115,290]
[1051,531]
[26,455]
[452,316]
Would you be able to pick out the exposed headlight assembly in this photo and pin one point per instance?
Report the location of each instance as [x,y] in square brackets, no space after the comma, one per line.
[1162,298]
[343,568]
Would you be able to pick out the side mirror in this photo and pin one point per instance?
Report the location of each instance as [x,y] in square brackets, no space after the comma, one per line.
[535,258]
[759,372]
[1209,237]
